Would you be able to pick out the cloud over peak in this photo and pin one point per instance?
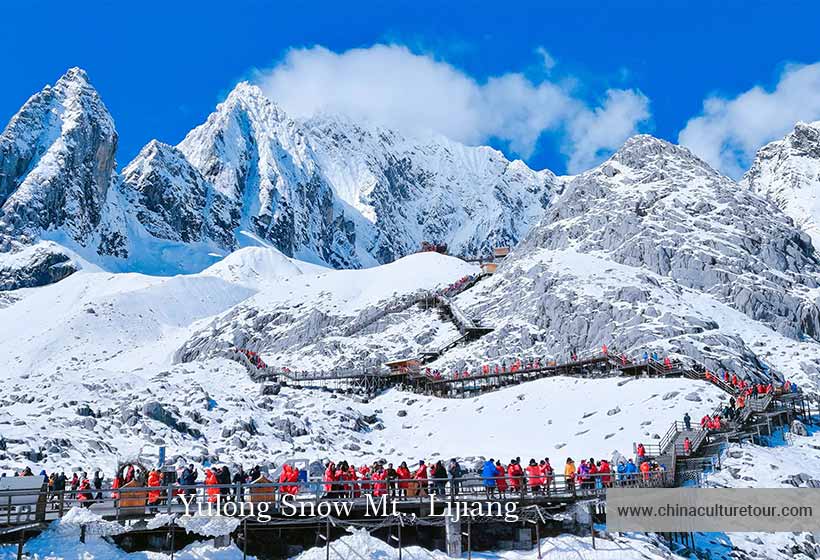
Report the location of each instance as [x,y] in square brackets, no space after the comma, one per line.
[728,132]
[395,87]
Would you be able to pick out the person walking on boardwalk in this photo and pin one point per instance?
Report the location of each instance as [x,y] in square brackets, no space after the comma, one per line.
[534,477]
[569,474]
[439,478]
[488,474]
[687,421]
[455,474]
[404,476]
[547,474]
[501,481]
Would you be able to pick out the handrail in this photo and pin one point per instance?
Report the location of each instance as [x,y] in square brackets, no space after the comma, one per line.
[145,501]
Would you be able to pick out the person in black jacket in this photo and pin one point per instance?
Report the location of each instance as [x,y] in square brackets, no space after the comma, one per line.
[223,475]
[439,477]
[239,477]
[98,482]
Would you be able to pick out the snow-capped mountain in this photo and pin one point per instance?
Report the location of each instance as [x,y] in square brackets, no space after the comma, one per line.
[56,169]
[653,249]
[57,159]
[326,191]
[788,172]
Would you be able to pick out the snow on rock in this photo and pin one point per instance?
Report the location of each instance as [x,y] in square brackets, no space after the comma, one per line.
[208,525]
[62,542]
[788,172]
[359,544]
[36,265]
[56,168]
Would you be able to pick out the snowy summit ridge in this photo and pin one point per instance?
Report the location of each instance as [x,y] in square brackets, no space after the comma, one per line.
[326,190]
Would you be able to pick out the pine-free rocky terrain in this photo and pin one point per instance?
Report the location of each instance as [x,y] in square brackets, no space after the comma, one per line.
[122,286]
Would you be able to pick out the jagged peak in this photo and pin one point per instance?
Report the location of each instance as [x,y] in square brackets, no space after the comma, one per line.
[75,75]
[250,98]
[643,150]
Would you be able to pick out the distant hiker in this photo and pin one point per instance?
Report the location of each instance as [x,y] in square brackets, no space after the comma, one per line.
[547,473]
[687,421]
[687,446]
[516,474]
[640,450]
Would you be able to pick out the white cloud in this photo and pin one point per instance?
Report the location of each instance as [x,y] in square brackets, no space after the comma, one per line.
[392,86]
[546,58]
[729,131]
[595,133]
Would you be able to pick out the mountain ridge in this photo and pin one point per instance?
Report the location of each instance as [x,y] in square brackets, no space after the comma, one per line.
[249,175]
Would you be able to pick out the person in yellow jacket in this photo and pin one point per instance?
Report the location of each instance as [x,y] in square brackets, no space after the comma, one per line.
[569,474]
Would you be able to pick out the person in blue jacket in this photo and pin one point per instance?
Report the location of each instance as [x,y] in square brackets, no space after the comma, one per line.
[488,473]
[621,471]
[631,470]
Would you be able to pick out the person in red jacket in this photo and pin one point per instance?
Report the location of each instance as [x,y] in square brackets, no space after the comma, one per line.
[210,482]
[404,476]
[330,477]
[501,481]
[604,470]
[379,476]
[293,479]
[534,477]
[154,480]
[516,475]
[84,494]
[641,451]
[364,476]
[547,474]
[594,479]
[421,476]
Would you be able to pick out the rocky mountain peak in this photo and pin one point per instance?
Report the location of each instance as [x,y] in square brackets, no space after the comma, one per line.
[787,172]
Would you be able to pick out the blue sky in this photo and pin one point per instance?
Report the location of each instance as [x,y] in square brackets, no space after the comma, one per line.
[162,66]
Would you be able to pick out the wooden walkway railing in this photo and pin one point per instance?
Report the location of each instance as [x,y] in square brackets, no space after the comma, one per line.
[130,503]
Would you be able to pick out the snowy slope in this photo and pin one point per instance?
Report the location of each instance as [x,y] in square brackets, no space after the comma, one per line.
[788,172]
[337,318]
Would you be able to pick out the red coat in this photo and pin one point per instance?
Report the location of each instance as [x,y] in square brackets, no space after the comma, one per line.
[421,473]
[604,472]
[85,485]
[153,480]
[534,475]
[404,477]
[516,474]
[379,487]
[501,482]
[210,481]
[330,477]
[547,473]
